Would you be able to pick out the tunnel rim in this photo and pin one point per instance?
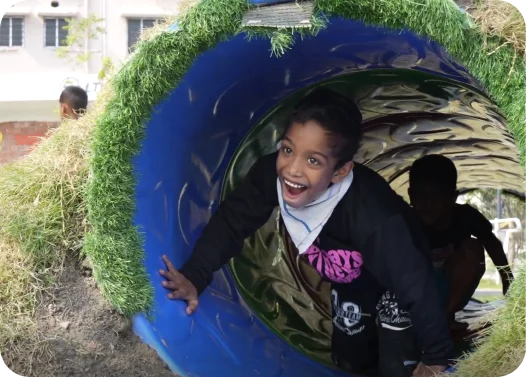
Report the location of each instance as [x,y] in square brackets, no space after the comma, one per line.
[117,125]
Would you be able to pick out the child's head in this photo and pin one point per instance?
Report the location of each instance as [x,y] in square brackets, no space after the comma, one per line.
[433,188]
[73,102]
[320,140]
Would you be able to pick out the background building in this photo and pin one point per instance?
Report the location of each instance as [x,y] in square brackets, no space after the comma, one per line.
[32,74]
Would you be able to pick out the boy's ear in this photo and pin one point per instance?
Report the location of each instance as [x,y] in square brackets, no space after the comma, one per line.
[63,112]
[342,172]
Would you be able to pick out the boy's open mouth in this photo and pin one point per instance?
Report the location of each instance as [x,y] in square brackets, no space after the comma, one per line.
[293,189]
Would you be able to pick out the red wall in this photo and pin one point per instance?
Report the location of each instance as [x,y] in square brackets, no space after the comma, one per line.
[19,137]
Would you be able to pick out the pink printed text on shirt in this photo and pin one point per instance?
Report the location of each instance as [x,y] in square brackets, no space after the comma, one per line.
[339,266]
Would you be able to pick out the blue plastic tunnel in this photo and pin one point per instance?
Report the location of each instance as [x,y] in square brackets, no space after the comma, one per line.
[225,113]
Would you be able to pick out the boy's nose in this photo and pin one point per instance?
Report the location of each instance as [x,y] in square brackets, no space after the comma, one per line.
[294,169]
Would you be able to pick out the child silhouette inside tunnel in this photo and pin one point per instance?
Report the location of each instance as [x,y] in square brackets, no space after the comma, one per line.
[458,234]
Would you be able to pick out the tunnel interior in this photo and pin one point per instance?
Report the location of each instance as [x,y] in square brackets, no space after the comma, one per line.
[266,314]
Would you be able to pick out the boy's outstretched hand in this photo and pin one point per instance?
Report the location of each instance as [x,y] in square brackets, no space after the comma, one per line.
[423,370]
[182,288]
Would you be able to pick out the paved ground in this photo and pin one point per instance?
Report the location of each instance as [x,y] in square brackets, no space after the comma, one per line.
[488,293]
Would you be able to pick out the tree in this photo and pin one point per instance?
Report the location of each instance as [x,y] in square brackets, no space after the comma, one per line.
[81,30]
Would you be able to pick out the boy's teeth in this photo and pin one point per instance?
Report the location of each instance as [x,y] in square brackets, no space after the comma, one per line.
[293,184]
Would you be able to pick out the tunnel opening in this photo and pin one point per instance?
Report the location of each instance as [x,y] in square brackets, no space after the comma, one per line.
[415,99]
[407,115]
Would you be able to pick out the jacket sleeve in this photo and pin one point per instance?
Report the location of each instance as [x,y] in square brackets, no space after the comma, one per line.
[393,257]
[244,211]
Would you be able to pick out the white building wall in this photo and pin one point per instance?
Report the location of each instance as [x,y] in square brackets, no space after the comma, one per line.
[32,76]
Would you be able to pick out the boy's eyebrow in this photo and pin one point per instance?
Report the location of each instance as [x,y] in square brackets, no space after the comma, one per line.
[288,139]
[320,154]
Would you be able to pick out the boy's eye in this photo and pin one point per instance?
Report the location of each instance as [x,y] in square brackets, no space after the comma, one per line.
[313,161]
[287,150]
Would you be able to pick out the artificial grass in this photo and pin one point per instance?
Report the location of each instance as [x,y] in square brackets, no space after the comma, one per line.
[114,244]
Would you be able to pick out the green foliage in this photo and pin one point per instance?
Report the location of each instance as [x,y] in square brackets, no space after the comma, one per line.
[282,39]
[107,68]
[79,31]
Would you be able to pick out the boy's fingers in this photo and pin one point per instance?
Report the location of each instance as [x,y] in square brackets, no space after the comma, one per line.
[192,306]
[169,264]
[169,284]
[169,275]
[178,294]
[172,275]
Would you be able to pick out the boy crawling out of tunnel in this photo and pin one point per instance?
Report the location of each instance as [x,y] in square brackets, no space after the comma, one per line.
[458,234]
[351,227]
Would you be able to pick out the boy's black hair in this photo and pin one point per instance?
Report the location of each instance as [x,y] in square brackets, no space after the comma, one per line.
[436,169]
[76,97]
[336,114]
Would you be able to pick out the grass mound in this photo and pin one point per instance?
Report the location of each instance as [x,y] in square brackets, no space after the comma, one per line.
[18,294]
[43,217]
[501,19]
[502,349]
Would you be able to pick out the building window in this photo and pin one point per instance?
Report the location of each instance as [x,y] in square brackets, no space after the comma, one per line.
[12,32]
[135,28]
[55,33]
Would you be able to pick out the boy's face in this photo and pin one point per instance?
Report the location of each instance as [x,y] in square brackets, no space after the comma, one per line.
[433,204]
[306,164]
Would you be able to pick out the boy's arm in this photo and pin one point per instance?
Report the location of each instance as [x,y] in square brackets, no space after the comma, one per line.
[393,257]
[244,211]
[496,252]
[482,229]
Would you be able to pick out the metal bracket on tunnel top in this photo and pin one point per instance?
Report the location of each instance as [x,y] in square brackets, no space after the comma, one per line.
[289,15]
